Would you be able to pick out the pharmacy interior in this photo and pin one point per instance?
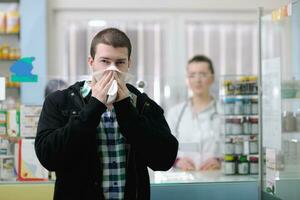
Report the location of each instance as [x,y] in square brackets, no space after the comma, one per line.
[256,87]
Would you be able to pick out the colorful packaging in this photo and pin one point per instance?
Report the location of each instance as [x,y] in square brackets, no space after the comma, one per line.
[29,116]
[7,168]
[12,22]
[2,22]
[29,167]
[13,123]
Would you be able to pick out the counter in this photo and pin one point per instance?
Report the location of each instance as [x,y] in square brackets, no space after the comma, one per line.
[173,185]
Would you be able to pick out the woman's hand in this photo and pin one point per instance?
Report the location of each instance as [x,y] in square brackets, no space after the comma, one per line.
[185,164]
[211,164]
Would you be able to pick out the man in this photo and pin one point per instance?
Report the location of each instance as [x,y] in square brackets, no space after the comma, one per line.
[100,149]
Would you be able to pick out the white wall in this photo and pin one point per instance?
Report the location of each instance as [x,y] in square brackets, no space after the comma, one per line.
[168,4]
[169,7]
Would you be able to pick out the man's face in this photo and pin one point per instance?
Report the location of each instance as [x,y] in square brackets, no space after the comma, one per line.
[199,77]
[106,55]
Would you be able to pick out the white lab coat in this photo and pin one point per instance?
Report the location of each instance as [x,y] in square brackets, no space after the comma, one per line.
[198,133]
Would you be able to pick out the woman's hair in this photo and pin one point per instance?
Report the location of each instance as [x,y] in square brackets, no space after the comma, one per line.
[54,85]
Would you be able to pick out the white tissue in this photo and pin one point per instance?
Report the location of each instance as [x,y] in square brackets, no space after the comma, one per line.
[112,92]
[125,76]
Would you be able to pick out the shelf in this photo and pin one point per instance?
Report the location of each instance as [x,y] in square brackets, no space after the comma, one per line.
[253,96]
[10,138]
[291,99]
[243,137]
[10,34]
[291,135]
[239,116]
[8,60]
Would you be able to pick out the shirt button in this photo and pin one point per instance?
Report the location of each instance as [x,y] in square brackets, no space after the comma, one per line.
[72,94]
[115,183]
[96,183]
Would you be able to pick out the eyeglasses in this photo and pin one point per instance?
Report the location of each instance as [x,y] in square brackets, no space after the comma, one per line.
[199,75]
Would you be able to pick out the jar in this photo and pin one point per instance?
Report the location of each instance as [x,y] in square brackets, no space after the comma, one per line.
[243,165]
[253,165]
[237,87]
[228,126]
[253,147]
[253,85]
[238,107]
[246,126]
[229,166]
[244,85]
[237,128]
[229,148]
[254,106]
[254,125]
[247,107]
[228,87]
[239,147]
[228,106]
[288,121]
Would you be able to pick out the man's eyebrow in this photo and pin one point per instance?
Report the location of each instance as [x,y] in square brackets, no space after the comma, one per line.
[104,58]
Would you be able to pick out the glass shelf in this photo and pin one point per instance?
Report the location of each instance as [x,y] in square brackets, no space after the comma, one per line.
[239,116]
[252,96]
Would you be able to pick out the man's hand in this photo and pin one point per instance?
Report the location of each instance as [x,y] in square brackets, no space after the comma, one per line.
[100,88]
[185,164]
[211,164]
[122,89]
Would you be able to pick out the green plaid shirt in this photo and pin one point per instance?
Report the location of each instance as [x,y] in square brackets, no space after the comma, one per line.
[112,151]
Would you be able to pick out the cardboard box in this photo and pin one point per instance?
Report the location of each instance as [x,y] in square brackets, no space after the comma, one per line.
[29,117]
[13,123]
[7,168]
[29,167]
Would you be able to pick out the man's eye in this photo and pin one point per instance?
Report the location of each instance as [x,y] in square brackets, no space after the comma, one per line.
[104,61]
[120,62]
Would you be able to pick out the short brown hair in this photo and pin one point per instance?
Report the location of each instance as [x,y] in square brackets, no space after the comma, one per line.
[113,37]
[203,58]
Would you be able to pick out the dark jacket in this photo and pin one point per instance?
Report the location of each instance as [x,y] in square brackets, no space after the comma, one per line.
[66,143]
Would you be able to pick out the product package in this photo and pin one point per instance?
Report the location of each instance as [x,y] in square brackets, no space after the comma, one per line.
[13,123]
[29,167]
[29,117]
[2,22]
[7,171]
[2,122]
[12,22]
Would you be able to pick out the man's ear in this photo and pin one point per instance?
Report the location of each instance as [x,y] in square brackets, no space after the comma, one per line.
[90,62]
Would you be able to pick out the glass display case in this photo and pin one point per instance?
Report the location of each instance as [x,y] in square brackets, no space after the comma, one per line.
[280,79]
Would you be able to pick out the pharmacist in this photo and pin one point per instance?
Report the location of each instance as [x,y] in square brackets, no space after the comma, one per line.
[195,122]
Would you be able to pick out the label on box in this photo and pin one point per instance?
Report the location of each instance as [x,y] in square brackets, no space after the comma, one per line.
[2,116]
[7,167]
[13,123]
[29,115]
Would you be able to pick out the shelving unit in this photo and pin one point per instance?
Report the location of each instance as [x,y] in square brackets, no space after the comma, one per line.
[9,53]
[239,116]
